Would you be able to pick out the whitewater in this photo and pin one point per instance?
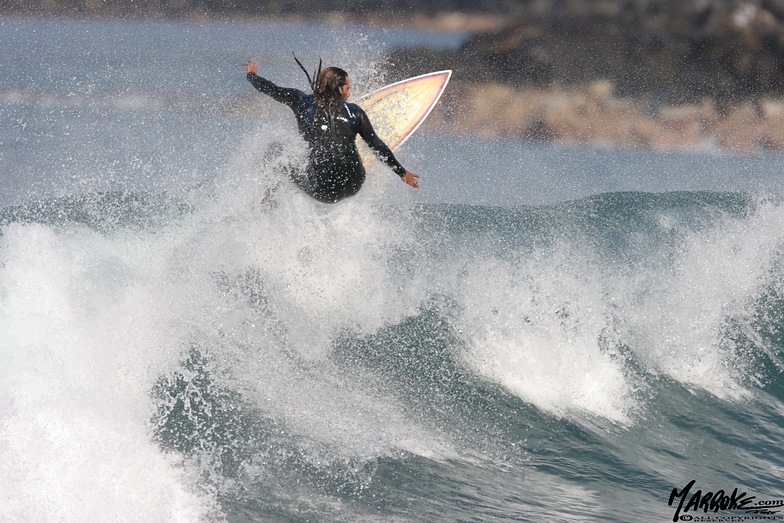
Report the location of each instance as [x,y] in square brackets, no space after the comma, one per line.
[540,333]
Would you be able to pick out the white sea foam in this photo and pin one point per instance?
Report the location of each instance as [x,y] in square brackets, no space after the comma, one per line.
[535,328]
[324,270]
[559,327]
[677,311]
[81,342]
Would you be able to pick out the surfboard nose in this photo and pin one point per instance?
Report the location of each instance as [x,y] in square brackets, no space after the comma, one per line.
[398,109]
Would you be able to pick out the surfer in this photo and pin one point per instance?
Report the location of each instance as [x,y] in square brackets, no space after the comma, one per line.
[330,125]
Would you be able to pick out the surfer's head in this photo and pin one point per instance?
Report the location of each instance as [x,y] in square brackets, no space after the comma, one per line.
[332,84]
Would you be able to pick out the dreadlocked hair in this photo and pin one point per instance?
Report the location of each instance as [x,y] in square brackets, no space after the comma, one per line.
[327,90]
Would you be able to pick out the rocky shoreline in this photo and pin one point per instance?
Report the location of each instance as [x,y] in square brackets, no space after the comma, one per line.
[591,115]
[650,74]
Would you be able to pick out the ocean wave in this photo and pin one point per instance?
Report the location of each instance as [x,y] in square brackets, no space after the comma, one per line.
[307,355]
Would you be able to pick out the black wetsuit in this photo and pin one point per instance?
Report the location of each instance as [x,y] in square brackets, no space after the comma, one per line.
[335,170]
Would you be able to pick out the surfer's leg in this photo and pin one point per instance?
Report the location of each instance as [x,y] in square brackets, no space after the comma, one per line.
[316,184]
[329,183]
[304,180]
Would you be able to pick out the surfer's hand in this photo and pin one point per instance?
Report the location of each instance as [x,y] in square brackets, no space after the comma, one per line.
[251,67]
[411,179]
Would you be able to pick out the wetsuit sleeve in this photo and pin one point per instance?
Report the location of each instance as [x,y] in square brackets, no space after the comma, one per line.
[368,134]
[288,96]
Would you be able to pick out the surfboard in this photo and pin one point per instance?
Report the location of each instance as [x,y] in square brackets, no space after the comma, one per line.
[397,110]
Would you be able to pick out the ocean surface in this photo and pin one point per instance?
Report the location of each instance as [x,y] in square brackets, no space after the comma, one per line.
[540,333]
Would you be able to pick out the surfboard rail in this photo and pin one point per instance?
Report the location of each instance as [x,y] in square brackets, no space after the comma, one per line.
[399,109]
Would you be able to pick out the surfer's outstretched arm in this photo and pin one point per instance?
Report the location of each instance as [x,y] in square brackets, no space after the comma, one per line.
[381,149]
[283,95]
